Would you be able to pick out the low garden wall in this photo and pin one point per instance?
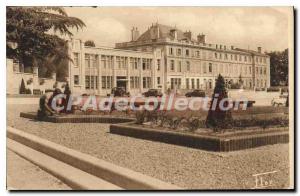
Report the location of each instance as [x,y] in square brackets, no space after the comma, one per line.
[78,118]
[206,142]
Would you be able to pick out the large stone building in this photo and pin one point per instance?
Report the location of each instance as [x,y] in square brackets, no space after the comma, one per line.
[167,58]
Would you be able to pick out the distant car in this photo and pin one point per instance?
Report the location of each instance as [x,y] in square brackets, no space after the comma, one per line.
[279,101]
[153,93]
[119,92]
[195,93]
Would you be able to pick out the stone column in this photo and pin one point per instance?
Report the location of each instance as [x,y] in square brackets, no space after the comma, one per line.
[114,72]
[268,72]
[153,70]
[128,73]
[70,66]
[82,67]
[141,74]
[99,75]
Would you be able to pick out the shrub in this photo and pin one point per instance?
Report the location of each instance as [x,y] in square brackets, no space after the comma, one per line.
[28,91]
[174,121]
[89,43]
[194,123]
[55,85]
[29,81]
[264,123]
[162,118]
[22,87]
[42,81]
[37,92]
[273,89]
[217,117]
[235,86]
[48,90]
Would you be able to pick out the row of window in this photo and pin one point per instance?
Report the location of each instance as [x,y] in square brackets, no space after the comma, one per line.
[217,55]
[227,68]
[191,83]
[91,82]
[261,71]
[261,83]
[91,61]
[134,82]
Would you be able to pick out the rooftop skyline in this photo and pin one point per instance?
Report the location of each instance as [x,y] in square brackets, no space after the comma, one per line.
[243,27]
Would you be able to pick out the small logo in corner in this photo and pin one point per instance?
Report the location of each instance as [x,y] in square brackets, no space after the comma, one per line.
[264,180]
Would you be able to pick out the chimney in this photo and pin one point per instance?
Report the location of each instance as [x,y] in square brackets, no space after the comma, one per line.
[154,32]
[259,49]
[201,38]
[188,34]
[134,34]
[174,33]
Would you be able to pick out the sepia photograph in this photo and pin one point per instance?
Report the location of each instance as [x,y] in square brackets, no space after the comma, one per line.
[150,98]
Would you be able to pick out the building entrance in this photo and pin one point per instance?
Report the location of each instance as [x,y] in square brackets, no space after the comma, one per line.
[122,82]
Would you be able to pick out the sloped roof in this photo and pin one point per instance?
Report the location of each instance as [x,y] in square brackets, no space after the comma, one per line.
[251,51]
[164,32]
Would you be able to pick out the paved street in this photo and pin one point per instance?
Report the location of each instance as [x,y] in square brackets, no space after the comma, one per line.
[22,174]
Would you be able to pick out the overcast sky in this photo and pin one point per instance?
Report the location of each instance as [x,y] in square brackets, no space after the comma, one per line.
[241,27]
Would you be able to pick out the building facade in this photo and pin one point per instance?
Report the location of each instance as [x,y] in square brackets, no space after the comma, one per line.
[96,70]
[164,57]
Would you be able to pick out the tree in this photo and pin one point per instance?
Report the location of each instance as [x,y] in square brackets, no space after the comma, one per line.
[218,118]
[90,43]
[31,34]
[279,64]
[22,87]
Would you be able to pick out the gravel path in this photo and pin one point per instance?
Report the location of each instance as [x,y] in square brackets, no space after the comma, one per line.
[185,167]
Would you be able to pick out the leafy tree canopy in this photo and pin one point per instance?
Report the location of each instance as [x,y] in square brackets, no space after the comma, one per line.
[90,43]
[32,36]
[279,64]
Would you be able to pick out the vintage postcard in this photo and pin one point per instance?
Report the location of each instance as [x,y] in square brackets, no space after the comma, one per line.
[150,98]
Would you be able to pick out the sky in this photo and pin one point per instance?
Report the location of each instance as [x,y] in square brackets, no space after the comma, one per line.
[244,27]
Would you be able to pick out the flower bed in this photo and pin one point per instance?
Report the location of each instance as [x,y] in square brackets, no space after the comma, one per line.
[190,122]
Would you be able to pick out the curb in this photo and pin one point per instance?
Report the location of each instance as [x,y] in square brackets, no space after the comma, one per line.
[114,174]
[73,177]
